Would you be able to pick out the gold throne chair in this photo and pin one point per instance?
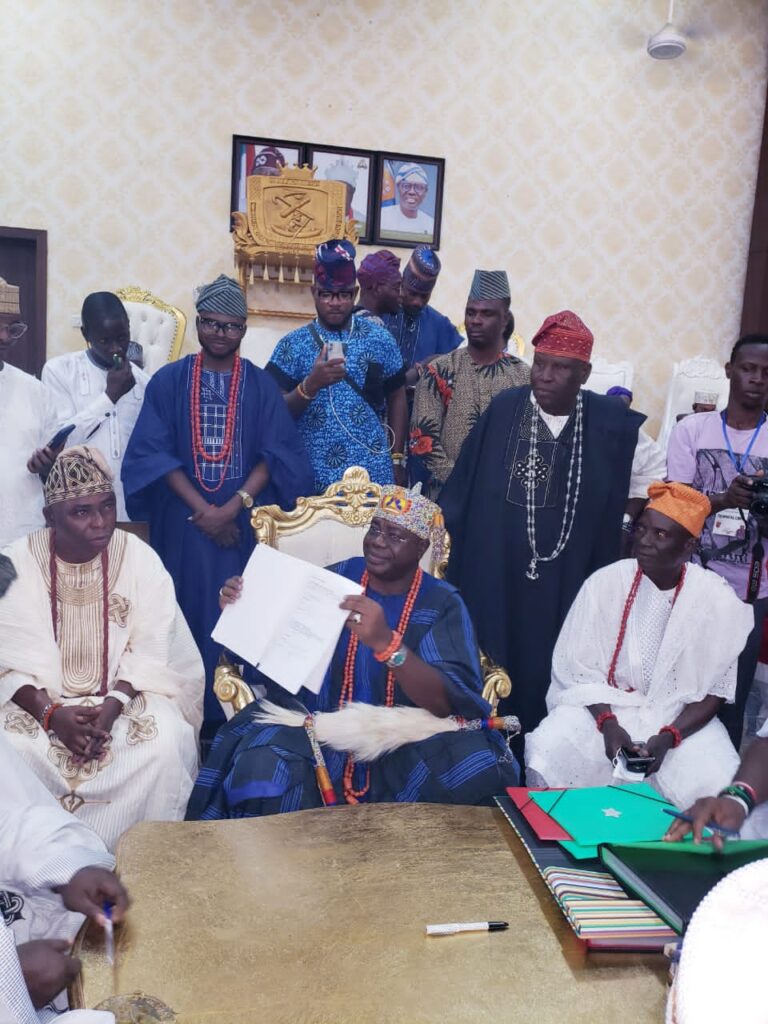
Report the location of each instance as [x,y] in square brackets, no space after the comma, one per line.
[325,529]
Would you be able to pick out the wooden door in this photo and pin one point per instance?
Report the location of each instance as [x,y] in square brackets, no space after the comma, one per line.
[24,262]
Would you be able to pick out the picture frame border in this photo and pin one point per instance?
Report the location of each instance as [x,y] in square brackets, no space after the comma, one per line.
[371,209]
[238,140]
[399,243]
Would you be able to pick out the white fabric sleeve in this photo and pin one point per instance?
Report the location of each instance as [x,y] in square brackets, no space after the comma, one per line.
[15,1005]
[648,464]
[86,420]
[41,845]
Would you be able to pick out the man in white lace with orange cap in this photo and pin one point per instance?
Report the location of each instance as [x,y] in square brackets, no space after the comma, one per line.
[644,660]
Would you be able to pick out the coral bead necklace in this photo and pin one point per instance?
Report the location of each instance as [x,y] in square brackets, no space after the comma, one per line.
[199,453]
[625,618]
[351,795]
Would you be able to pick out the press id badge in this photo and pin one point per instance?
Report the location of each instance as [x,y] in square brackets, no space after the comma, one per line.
[729,523]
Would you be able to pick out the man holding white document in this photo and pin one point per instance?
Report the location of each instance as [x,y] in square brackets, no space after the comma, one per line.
[407,642]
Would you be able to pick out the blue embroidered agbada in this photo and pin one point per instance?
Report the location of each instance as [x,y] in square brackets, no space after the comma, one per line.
[420,337]
[266,769]
[162,441]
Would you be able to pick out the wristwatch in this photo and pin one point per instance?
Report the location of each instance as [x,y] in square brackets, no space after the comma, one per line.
[246,499]
[398,658]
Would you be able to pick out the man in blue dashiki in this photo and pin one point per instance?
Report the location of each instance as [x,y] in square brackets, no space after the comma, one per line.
[256,769]
[212,439]
[336,400]
[420,331]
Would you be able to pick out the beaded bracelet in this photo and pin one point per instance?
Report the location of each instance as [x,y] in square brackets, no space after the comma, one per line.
[393,646]
[48,710]
[742,803]
[741,794]
[674,732]
[602,718]
[747,788]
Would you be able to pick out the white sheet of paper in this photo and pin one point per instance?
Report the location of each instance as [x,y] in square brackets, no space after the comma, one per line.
[287,621]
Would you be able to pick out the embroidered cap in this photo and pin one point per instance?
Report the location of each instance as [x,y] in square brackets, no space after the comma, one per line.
[680,502]
[224,295]
[411,172]
[489,284]
[410,510]
[422,269]
[565,335]
[9,298]
[77,472]
[379,267]
[267,159]
[335,266]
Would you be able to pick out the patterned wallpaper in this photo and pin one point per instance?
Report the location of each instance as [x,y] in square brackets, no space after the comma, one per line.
[599,179]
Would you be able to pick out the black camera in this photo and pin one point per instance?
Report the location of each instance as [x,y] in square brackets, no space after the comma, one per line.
[759,504]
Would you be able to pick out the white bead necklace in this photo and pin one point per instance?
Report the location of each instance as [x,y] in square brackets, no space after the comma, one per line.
[569,513]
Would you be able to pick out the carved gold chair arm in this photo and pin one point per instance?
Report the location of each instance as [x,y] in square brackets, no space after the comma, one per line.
[230,687]
[497,684]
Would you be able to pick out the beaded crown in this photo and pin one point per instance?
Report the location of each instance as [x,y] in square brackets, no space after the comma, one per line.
[77,472]
[409,510]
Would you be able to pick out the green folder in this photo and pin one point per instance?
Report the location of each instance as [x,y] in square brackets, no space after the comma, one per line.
[606,814]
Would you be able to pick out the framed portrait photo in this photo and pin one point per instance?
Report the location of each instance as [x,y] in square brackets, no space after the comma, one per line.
[409,194]
[356,169]
[252,155]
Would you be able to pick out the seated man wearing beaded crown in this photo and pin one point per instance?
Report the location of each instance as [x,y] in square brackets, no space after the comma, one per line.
[408,642]
[101,685]
[645,659]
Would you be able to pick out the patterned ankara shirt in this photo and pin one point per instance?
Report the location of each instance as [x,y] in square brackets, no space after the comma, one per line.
[450,398]
[339,427]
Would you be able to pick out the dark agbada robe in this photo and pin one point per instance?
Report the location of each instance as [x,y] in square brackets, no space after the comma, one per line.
[484,502]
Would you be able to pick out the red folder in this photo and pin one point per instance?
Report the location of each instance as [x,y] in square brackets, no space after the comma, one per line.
[542,824]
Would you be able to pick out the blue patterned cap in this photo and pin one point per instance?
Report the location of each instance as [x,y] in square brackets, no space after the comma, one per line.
[420,274]
[335,265]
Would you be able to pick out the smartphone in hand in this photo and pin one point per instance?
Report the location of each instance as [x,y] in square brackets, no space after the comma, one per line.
[60,437]
[334,350]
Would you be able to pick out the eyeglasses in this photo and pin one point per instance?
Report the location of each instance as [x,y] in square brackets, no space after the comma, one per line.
[394,539]
[216,327]
[336,296]
[412,186]
[15,330]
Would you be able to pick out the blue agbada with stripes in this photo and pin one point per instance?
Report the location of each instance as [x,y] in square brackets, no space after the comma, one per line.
[256,769]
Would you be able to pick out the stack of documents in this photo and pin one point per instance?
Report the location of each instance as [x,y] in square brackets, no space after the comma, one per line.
[595,905]
[287,621]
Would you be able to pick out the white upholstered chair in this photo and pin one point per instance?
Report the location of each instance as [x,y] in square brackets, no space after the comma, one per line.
[689,376]
[156,326]
[607,375]
[325,529]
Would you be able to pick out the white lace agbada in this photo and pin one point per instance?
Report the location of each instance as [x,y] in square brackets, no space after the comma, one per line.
[671,657]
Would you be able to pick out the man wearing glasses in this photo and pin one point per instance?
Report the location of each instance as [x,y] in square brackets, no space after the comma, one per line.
[213,439]
[27,422]
[407,217]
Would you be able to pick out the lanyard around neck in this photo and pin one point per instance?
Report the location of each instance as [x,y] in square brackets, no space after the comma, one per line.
[739,462]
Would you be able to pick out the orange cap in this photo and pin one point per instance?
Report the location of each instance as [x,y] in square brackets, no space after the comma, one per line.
[680,502]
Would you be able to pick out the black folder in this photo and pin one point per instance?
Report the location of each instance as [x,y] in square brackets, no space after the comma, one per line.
[673,878]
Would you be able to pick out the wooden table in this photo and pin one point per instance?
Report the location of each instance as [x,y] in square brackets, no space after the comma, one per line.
[319,917]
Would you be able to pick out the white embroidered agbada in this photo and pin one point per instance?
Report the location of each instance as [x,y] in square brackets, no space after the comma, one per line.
[28,420]
[80,387]
[671,657]
[151,762]
[41,848]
